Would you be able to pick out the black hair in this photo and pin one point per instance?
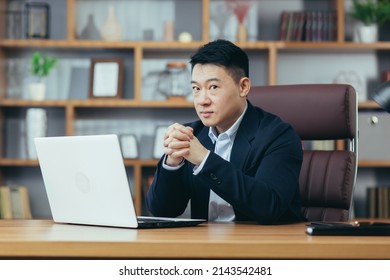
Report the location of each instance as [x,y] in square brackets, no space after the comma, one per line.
[223,53]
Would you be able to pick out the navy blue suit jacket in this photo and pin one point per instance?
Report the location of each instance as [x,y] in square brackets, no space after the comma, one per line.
[260,181]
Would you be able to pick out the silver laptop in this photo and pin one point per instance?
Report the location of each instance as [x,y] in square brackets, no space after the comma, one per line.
[86,183]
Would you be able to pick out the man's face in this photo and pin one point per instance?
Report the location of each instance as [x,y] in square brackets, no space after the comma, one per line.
[218,99]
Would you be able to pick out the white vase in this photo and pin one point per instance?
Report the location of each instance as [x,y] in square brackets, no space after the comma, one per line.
[37,91]
[36,126]
[111,30]
[366,33]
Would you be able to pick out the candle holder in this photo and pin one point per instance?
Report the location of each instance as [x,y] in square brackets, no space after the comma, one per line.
[240,10]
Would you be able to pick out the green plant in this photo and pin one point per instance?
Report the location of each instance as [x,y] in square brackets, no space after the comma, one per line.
[42,64]
[371,11]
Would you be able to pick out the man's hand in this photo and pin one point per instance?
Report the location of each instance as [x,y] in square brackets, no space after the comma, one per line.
[177,143]
[180,143]
[197,152]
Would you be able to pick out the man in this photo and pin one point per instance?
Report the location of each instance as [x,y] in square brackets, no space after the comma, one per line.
[238,162]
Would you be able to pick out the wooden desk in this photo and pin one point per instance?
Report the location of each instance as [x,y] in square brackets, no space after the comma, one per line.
[44,239]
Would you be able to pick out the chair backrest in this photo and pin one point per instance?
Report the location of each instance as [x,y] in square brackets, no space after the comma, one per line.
[319,112]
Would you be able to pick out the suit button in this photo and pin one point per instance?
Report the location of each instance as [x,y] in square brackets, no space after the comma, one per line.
[213,176]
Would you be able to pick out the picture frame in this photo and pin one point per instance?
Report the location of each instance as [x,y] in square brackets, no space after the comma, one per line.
[129,146]
[37,20]
[158,147]
[106,78]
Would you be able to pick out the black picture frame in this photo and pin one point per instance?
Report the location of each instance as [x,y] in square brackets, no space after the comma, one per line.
[37,20]
[106,78]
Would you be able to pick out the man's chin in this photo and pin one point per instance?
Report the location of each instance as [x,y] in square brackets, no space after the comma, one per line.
[207,122]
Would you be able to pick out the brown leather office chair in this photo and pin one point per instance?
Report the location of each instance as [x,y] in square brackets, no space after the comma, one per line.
[319,112]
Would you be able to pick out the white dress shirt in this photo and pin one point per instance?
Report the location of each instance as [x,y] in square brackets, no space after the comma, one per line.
[219,209]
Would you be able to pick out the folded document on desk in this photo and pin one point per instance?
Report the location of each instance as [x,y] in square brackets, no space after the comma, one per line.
[353,228]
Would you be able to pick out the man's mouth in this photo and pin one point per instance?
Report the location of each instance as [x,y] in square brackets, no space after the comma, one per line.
[206,114]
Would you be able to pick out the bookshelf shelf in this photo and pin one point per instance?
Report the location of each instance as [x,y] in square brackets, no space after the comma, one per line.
[99,103]
[374,163]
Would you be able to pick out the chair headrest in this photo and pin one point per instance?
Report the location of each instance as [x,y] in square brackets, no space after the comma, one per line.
[316,111]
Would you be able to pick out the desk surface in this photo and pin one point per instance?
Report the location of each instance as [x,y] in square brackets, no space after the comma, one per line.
[43,238]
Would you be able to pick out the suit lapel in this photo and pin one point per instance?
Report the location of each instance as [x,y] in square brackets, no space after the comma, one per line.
[245,135]
[204,138]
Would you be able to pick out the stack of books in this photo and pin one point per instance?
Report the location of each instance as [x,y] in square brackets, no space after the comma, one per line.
[378,202]
[308,26]
[14,203]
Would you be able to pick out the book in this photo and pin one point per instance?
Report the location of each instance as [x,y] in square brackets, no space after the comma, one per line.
[308,26]
[383,202]
[14,203]
[300,23]
[378,202]
[20,203]
[283,25]
[5,203]
[290,26]
[371,196]
[332,26]
[319,27]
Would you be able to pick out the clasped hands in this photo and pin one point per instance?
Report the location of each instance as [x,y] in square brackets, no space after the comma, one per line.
[180,143]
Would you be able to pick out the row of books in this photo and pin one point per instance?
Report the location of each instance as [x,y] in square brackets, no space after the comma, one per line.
[378,202]
[308,26]
[14,203]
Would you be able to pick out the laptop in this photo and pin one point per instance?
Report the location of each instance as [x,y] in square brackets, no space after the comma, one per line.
[86,183]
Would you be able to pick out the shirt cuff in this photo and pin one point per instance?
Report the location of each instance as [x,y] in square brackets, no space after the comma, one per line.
[171,168]
[198,168]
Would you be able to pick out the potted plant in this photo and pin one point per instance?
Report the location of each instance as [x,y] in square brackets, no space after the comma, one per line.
[41,66]
[370,14]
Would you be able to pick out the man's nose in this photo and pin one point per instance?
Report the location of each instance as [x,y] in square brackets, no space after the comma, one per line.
[203,97]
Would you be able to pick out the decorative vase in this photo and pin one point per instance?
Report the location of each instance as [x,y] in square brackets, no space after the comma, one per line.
[169,31]
[37,91]
[111,30]
[90,32]
[219,16]
[36,126]
[242,33]
[366,33]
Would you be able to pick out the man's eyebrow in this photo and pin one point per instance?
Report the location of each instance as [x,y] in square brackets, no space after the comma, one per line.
[208,80]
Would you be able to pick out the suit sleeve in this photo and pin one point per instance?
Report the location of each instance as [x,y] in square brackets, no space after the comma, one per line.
[168,195]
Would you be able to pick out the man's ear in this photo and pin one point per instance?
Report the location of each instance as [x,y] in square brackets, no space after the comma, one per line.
[245,85]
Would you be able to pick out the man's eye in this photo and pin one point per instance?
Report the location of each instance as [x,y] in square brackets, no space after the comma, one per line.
[213,88]
[195,89]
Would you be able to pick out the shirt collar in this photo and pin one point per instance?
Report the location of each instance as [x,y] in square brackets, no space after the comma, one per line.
[231,132]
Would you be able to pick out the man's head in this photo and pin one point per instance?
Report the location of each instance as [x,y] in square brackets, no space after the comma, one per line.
[219,83]
[225,54]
